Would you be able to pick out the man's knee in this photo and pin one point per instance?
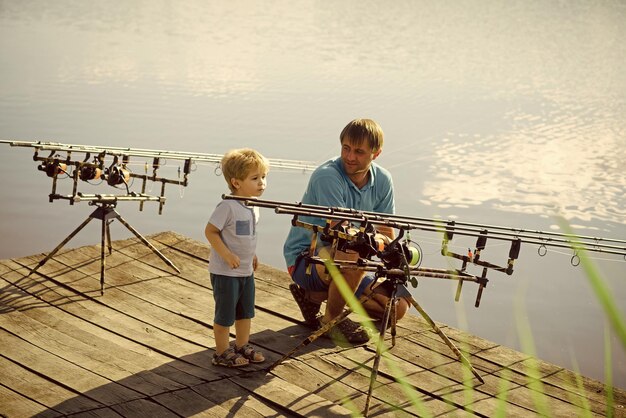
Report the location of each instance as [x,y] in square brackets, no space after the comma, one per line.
[402,307]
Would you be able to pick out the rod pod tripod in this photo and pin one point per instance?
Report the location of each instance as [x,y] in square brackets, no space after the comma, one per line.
[106,213]
[388,315]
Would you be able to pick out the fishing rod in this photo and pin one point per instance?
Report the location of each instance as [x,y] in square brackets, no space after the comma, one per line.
[447,227]
[364,240]
[112,166]
[275,163]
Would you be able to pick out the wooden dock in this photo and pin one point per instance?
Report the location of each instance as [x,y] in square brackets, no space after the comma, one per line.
[144,349]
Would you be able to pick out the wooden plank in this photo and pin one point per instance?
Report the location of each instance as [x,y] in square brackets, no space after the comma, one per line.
[55,274]
[491,406]
[181,243]
[523,375]
[290,396]
[593,394]
[92,358]
[133,329]
[40,390]
[343,387]
[502,356]
[106,341]
[119,302]
[12,404]
[187,403]
[530,399]
[188,302]
[462,338]
[422,383]
[187,264]
[240,403]
[98,413]
[63,372]
[143,408]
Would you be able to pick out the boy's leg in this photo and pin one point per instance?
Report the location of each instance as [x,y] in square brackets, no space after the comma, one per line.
[222,337]
[243,320]
[242,331]
[225,295]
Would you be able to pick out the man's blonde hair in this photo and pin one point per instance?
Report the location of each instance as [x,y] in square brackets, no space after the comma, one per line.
[238,163]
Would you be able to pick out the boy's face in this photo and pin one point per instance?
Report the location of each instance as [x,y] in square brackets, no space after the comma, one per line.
[252,186]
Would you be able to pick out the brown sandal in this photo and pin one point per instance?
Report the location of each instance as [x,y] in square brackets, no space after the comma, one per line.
[248,352]
[229,359]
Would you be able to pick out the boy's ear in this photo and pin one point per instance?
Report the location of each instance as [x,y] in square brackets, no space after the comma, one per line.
[235,183]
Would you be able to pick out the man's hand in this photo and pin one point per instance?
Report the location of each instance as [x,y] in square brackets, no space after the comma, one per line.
[386,230]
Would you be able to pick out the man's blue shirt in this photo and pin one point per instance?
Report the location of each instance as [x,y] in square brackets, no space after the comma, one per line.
[330,186]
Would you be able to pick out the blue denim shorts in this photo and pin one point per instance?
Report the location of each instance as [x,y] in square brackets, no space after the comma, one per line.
[234,298]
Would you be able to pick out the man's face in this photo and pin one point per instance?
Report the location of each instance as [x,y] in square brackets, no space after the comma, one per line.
[357,158]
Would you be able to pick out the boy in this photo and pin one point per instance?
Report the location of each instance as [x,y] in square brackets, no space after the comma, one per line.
[231,231]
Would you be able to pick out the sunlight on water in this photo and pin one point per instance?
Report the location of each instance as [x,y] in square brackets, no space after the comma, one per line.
[570,169]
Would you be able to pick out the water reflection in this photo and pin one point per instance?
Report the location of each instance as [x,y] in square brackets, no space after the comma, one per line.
[560,165]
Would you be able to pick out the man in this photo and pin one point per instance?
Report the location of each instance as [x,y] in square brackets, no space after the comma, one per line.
[353,181]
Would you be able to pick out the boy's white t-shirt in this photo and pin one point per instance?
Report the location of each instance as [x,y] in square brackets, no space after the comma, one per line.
[237,225]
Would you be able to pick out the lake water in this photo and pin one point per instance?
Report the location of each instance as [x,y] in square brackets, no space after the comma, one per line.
[505,113]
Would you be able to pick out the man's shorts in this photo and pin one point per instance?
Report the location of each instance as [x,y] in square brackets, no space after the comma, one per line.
[234,298]
[314,283]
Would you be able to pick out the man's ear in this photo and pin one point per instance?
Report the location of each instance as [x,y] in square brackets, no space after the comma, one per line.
[377,153]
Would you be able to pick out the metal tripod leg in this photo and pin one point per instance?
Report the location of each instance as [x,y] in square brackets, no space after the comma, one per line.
[102,262]
[314,336]
[389,314]
[65,241]
[146,242]
[109,238]
[104,213]
[318,333]
[446,340]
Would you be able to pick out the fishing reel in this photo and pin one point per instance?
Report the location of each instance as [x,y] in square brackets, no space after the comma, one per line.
[400,254]
[116,175]
[52,167]
[394,254]
[89,172]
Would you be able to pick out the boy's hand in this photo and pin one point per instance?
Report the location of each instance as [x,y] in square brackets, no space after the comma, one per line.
[232,260]
[255,263]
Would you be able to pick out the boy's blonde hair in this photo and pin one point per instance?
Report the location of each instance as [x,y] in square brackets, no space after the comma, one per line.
[238,163]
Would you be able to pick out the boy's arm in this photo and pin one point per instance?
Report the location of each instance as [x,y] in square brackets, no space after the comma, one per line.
[217,244]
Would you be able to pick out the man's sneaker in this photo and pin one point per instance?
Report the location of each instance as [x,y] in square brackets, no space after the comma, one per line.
[347,331]
[310,310]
